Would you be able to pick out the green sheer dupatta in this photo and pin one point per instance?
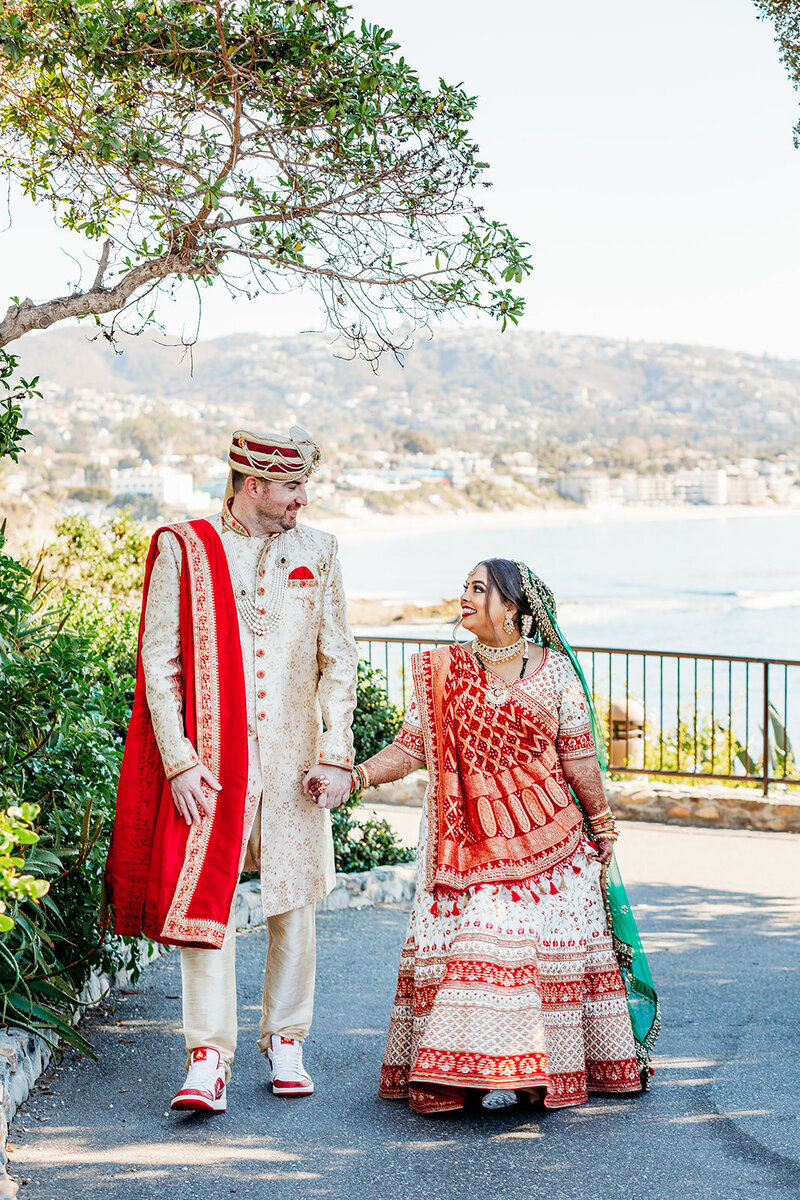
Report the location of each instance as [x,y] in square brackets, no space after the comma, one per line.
[641,993]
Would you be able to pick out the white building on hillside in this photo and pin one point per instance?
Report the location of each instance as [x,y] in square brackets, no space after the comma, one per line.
[165,484]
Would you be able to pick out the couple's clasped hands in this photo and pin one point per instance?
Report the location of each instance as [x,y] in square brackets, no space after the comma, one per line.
[327,786]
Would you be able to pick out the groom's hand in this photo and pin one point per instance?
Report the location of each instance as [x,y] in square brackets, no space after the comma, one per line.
[187,793]
[336,789]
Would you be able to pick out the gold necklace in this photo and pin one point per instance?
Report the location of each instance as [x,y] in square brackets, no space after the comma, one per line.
[498,654]
[498,693]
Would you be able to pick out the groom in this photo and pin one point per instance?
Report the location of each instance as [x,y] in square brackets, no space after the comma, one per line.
[239,741]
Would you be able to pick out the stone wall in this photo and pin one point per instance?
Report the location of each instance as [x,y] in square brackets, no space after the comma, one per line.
[711,807]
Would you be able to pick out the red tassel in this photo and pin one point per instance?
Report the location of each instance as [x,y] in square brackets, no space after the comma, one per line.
[516,896]
[434,909]
[535,897]
[553,889]
[577,870]
[456,910]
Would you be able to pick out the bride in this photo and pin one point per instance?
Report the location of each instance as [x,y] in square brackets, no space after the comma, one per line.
[509,981]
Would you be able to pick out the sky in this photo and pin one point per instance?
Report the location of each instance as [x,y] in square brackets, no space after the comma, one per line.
[643,148]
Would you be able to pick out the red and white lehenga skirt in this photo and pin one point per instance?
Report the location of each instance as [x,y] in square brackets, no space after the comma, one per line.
[510,987]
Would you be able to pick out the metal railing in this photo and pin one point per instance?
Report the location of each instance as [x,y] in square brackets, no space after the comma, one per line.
[670,713]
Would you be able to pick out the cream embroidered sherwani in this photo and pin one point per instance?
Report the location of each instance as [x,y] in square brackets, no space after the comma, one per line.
[300,683]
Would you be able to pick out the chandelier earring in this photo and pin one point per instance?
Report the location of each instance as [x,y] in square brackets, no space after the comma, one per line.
[508,623]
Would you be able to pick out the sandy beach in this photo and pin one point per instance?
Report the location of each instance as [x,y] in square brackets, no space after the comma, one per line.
[379,525]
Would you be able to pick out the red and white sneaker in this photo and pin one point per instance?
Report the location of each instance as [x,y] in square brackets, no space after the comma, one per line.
[287,1073]
[204,1087]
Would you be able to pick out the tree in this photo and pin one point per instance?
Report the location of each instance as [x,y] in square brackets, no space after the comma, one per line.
[154,433]
[262,144]
[786,16]
[415,441]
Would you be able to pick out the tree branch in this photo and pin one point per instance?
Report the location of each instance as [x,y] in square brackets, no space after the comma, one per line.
[102,265]
[22,318]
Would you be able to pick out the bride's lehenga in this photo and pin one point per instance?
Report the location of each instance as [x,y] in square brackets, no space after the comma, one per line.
[505,982]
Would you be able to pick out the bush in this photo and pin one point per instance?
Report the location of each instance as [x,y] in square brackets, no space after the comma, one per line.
[62,715]
[96,579]
[376,720]
[360,845]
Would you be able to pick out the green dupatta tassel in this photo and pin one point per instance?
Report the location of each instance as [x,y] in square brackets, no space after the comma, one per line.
[640,991]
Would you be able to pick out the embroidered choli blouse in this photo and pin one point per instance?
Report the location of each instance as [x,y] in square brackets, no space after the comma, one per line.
[553,688]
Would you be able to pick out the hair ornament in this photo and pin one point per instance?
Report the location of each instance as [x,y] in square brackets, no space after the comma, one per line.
[542,605]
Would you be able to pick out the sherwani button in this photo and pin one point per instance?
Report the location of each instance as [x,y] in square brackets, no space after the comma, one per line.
[261,695]
[261,591]
[261,716]
[260,674]
[260,653]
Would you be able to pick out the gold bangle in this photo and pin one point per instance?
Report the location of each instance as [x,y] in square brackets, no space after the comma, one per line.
[604,812]
[359,778]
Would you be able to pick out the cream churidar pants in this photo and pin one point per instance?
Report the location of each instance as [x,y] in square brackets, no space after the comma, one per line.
[209,986]
[209,976]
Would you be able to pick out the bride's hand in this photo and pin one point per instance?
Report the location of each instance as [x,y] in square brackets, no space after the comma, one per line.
[605,848]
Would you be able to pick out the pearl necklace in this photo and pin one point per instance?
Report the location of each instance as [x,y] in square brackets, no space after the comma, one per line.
[264,618]
[498,654]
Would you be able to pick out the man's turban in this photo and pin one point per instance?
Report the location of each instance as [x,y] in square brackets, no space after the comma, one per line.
[275,458]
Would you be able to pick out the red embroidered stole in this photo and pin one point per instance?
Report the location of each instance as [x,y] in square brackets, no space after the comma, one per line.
[166,880]
[499,810]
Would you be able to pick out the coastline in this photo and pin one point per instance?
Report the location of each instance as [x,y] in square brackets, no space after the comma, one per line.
[379,525]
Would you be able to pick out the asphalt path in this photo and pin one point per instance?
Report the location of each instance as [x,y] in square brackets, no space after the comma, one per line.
[721,919]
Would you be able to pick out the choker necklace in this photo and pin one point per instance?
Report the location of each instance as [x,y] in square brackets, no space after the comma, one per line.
[498,654]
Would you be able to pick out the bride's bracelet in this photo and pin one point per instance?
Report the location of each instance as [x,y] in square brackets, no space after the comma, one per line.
[603,825]
[359,778]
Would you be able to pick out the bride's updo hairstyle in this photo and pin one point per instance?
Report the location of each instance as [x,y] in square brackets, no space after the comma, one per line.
[532,598]
[504,578]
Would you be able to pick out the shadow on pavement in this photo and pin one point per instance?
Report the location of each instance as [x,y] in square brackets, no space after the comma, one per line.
[720,1120]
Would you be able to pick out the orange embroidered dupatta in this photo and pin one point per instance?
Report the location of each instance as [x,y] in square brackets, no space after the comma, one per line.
[499,810]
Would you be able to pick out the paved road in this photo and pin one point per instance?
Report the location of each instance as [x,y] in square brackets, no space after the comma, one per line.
[721,1120]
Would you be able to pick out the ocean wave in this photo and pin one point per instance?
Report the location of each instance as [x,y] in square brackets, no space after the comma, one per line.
[768,600]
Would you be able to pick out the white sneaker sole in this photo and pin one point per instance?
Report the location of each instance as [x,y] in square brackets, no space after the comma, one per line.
[300,1090]
[190,1101]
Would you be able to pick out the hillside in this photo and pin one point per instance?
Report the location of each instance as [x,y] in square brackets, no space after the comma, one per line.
[468,388]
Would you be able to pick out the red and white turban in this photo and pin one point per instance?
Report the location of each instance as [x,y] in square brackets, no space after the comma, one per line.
[268,457]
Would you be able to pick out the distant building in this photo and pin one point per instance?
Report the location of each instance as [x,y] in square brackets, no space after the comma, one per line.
[648,489]
[168,486]
[709,486]
[590,488]
[747,489]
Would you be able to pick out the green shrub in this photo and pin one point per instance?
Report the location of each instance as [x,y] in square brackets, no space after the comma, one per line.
[360,845]
[62,715]
[376,720]
[16,829]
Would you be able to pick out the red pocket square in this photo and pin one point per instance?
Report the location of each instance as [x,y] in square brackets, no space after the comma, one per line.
[301,573]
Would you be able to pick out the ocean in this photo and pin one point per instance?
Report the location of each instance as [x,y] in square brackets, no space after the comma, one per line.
[715,583]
